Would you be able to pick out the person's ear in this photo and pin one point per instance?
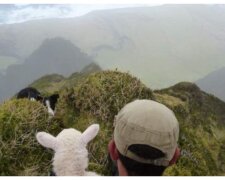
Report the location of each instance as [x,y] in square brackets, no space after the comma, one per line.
[113,151]
[175,156]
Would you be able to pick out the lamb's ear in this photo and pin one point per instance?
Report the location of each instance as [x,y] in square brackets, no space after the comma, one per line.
[90,133]
[46,140]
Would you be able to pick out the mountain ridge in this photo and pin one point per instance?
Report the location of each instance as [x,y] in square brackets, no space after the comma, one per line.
[162,45]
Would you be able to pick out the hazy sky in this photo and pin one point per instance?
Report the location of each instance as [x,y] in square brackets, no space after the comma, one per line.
[15,13]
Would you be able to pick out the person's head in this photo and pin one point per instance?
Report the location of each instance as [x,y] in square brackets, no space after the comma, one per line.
[145,138]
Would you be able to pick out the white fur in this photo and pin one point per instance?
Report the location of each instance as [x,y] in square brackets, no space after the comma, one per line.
[50,111]
[32,99]
[71,155]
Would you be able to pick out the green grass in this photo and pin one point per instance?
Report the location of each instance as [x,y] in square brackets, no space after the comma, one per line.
[49,84]
[20,153]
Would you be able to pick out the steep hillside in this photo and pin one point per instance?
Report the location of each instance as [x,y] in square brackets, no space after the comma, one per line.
[53,83]
[214,83]
[97,98]
[202,122]
[53,56]
[162,45]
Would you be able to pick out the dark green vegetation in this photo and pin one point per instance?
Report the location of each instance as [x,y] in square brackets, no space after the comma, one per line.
[88,97]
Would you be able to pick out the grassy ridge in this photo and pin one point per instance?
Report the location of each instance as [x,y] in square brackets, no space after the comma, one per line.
[97,99]
[201,130]
[87,98]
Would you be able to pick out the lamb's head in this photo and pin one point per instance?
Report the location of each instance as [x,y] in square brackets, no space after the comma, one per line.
[71,155]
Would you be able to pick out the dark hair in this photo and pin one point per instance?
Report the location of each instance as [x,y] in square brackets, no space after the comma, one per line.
[135,168]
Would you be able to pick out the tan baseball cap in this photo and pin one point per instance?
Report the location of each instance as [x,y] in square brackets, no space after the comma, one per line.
[150,123]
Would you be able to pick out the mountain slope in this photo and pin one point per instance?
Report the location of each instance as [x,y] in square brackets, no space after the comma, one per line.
[214,83]
[162,45]
[201,118]
[53,56]
[52,83]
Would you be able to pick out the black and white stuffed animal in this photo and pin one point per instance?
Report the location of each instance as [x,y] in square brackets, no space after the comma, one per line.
[34,95]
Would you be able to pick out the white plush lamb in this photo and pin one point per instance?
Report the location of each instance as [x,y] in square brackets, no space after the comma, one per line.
[71,155]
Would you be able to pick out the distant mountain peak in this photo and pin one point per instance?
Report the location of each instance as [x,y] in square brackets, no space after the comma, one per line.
[56,55]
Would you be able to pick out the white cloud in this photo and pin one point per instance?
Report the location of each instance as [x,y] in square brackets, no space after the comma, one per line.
[25,12]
